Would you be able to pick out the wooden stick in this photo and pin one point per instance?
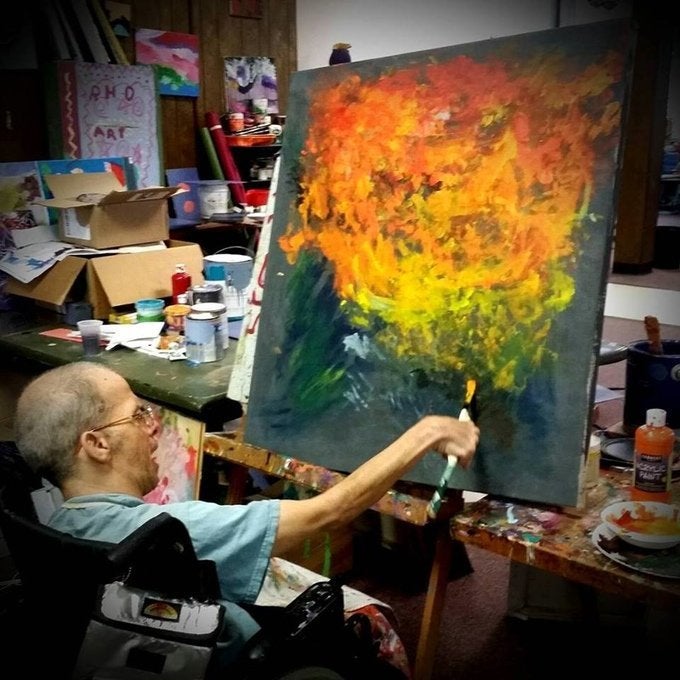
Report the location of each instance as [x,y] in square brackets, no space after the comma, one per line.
[653,335]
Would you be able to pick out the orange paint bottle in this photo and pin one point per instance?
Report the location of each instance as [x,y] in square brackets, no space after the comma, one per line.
[652,459]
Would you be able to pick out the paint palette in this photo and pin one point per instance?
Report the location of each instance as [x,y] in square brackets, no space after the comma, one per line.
[663,563]
[645,524]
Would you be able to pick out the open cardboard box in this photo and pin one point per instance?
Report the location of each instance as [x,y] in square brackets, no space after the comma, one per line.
[94,210]
[112,280]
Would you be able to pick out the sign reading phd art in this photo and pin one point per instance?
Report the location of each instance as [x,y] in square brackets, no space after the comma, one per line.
[108,110]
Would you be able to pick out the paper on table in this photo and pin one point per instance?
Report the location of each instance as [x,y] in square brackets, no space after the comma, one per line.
[130,333]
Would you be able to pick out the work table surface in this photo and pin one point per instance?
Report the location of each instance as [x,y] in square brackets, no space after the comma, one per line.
[197,390]
[559,540]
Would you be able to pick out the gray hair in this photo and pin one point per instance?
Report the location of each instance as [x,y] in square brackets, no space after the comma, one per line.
[51,414]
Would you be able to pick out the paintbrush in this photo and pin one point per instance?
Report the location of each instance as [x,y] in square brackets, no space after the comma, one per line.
[452,461]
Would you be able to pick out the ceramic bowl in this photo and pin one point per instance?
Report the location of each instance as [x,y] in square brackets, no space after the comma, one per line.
[645,524]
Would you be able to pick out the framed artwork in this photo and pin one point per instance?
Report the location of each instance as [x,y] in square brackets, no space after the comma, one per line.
[443,216]
[248,78]
[250,9]
[174,57]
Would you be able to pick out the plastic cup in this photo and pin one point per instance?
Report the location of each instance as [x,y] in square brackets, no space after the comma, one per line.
[91,334]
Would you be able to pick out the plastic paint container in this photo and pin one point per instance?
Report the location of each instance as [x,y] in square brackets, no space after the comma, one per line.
[175,316]
[652,381]
[150,309]
[214,197]
[235,268]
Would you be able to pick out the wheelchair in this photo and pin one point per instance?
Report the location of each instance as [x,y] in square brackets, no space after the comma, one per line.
[64,582]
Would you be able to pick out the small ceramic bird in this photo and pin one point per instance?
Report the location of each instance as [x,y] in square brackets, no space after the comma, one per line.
[340,54]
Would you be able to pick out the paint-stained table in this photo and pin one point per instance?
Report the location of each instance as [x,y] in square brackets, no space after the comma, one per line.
[555,539]
[560,541]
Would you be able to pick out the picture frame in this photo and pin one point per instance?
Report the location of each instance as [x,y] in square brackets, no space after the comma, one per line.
[248,9]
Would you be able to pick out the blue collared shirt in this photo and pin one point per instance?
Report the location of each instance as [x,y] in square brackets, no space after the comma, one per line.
[238,538]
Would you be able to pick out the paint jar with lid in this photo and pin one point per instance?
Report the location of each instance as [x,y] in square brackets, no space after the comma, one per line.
[652,459]
[175,316]
[150,309]
[221,322]
[202,337]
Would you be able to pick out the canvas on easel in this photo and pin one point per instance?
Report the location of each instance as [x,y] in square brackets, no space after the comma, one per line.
[442,216]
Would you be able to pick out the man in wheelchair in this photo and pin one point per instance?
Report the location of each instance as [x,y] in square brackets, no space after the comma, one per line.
[81,427]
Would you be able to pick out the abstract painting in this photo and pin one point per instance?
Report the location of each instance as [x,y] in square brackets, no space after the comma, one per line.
[19,187]
[248,78]
[179,452]
[174,57]
[445,216]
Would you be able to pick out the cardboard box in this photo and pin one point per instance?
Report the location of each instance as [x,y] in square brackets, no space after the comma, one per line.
[109,281]
[94,211]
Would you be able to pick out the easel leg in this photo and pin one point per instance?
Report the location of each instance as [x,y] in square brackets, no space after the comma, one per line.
[237,477]
[434,603]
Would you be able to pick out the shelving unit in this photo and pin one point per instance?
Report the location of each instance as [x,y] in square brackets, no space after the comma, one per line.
[248,158]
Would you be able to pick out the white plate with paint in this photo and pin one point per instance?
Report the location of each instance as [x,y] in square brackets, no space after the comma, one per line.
[664,563]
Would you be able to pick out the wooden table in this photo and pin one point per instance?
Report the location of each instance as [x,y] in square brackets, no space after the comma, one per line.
[559,540]
[553,539]
[550,538]
[196,390]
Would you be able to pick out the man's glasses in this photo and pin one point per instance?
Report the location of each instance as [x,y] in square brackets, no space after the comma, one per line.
[144,415]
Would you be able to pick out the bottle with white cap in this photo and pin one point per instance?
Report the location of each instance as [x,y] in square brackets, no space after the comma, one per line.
[652,459]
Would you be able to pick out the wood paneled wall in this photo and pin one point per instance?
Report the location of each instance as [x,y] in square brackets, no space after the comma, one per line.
[220,35]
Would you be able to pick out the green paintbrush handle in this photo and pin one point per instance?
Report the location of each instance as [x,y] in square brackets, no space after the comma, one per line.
[438,496]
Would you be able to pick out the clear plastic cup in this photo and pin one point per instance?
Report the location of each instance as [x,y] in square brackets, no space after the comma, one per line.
[91,335]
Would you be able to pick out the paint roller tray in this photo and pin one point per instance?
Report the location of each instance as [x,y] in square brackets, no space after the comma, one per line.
[619,452]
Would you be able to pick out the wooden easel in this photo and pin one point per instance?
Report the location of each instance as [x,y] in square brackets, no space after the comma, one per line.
[408,506]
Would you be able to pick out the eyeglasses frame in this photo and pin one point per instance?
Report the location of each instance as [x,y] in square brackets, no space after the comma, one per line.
[145,414]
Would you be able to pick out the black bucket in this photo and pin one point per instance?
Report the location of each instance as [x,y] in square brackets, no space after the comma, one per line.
[652,381]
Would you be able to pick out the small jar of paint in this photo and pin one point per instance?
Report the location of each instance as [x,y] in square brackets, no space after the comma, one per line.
[150,309]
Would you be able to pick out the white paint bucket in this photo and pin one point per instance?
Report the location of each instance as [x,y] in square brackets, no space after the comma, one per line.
[203,337]
[221,321]
[213,197]
[235,269]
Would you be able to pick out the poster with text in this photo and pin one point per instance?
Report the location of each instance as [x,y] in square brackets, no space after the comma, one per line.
[104,110]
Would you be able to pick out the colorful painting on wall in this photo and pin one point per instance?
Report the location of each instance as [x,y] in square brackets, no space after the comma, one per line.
[179,452]
[19,186]
[444,216]
[174,57]
[248,78]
